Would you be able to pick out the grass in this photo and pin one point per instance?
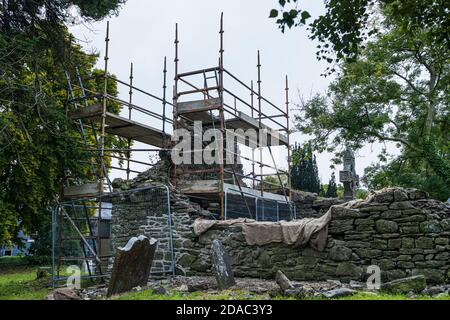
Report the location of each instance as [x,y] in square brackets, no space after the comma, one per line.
[20,283]
[18,280]
[385,296]
[199,295]
[242,295]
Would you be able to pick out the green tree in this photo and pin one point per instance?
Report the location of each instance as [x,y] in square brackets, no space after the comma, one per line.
[40,148]
[361,194]
[346,25]
[392,86]
[304,171]
[405,172]
[396,92]
[272,182]
[332,187]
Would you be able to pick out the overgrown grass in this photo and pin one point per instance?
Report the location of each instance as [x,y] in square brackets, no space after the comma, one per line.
[242,295]
[385,296]
[20,283]
[176,295]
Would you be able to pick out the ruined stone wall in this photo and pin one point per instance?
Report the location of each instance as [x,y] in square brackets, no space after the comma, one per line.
[400,231]
[310,205]
[140,208]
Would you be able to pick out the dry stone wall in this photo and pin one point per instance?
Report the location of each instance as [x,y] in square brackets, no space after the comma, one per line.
[310,205]
[401,231]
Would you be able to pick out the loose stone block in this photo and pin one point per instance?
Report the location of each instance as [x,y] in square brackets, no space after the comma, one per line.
[283,281]
[337,293]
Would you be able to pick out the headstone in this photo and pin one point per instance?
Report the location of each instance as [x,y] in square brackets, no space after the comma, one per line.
[132,265]
[348,176]
[283,281]
[221,266]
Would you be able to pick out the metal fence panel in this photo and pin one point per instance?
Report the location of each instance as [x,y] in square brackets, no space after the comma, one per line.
[82,230]
[261,209]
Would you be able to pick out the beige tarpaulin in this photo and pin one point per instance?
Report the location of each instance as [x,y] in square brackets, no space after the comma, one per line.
[202,225]
[308,230]
[312,231]
[261,233]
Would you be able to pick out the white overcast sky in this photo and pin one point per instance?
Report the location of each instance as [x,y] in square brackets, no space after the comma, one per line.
[143,33]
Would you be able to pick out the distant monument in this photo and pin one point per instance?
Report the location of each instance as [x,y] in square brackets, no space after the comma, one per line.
[348,176]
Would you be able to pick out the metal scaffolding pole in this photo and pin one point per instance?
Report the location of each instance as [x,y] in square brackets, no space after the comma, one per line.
[130,102]
[105,100]
[260,125]
[175,97]
[288,132]
[222,122]
[164,102]
[253,149]
[103,139]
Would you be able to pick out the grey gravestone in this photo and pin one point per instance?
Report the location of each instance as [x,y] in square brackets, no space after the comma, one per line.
[132,265]
[283,281]
[348,176]
[221,266]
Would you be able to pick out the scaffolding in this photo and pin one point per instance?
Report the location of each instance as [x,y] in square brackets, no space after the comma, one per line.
[209,103]
[80,210]
[90,110]
[209,95]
